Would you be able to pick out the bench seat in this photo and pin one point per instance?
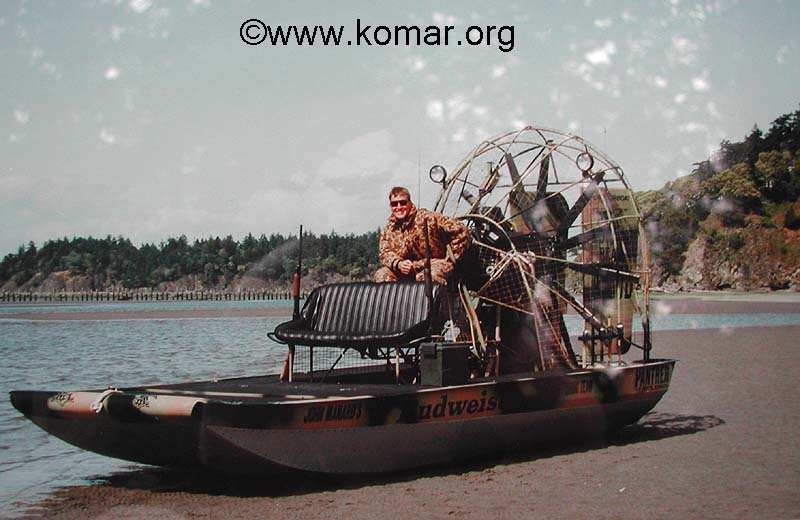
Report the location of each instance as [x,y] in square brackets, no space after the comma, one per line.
[361,315]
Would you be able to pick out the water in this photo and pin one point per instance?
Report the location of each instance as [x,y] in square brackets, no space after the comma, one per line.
[73,307]
[99,353]
[82,354]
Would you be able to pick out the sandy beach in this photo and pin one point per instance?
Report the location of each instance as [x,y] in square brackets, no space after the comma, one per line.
[721,444]
[712,302]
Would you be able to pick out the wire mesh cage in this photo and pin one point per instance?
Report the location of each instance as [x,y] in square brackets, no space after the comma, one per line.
[555,227]
[319,363]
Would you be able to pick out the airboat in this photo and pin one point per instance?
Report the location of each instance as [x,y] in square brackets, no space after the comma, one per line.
[541,335]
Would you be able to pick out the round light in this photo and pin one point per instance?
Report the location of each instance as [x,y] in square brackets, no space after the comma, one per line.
[584,161]
[438,174]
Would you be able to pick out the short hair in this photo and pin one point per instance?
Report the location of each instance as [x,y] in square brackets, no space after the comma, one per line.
[399,190]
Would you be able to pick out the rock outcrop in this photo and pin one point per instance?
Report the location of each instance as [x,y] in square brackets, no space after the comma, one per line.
[757,256]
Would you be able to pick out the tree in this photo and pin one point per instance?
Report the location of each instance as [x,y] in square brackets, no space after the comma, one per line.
[671,233]
[248,250]
[776,169]
[734,185]
[174,255]
[784,134]
[753,145]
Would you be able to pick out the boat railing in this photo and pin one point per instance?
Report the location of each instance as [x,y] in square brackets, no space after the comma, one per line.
[390,364]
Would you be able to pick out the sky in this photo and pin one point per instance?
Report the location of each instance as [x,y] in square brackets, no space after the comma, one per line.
[151,120]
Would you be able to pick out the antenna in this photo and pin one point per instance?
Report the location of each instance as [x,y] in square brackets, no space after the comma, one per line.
[296,279]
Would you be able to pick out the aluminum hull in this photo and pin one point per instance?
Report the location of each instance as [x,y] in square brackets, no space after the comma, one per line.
[258,425]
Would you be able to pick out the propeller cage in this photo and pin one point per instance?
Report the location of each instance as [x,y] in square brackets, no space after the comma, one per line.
[555,227]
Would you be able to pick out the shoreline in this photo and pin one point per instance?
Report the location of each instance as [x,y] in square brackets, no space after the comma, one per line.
[717,445]
[150,315]
[700,304]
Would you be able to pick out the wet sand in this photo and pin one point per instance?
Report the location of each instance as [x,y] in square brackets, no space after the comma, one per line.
[725,303]
[722,443]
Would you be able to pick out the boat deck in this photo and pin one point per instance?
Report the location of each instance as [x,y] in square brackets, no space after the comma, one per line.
[269,387]
[344,384]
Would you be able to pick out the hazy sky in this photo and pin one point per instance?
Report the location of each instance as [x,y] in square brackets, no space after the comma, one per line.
[153,119]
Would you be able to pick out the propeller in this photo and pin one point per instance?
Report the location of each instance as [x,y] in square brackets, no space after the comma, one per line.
[521,200]
[540,212]
[544,171]
[604,271]
[600,231]
[581,203]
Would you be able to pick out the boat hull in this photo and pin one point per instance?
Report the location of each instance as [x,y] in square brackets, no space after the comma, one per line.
[354,434]
[406,446]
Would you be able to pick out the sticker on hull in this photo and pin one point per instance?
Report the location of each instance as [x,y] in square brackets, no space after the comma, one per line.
[454,405]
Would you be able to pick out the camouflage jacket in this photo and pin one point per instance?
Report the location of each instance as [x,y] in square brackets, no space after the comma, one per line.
[405,240]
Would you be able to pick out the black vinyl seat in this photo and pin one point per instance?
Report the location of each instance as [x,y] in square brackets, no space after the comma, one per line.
[361,315]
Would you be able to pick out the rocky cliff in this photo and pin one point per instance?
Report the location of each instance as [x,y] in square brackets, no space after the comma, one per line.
[761,254]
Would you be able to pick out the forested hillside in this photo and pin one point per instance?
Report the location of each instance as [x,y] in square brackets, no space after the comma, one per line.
[732,223]
[82,264]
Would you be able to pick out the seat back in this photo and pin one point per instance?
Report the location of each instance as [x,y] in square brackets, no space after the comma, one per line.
[369,308]
[361,314]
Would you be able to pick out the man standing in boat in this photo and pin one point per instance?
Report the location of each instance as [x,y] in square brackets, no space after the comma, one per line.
[402,244]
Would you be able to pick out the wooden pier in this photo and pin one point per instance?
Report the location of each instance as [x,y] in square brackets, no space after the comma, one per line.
[143,295]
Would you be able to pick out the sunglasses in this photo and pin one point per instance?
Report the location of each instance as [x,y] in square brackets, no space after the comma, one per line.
[401,203]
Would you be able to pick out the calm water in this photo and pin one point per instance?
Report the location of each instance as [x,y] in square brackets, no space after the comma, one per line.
[17,308]
[73,355]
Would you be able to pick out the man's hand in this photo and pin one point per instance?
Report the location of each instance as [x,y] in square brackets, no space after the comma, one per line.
[404,266]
